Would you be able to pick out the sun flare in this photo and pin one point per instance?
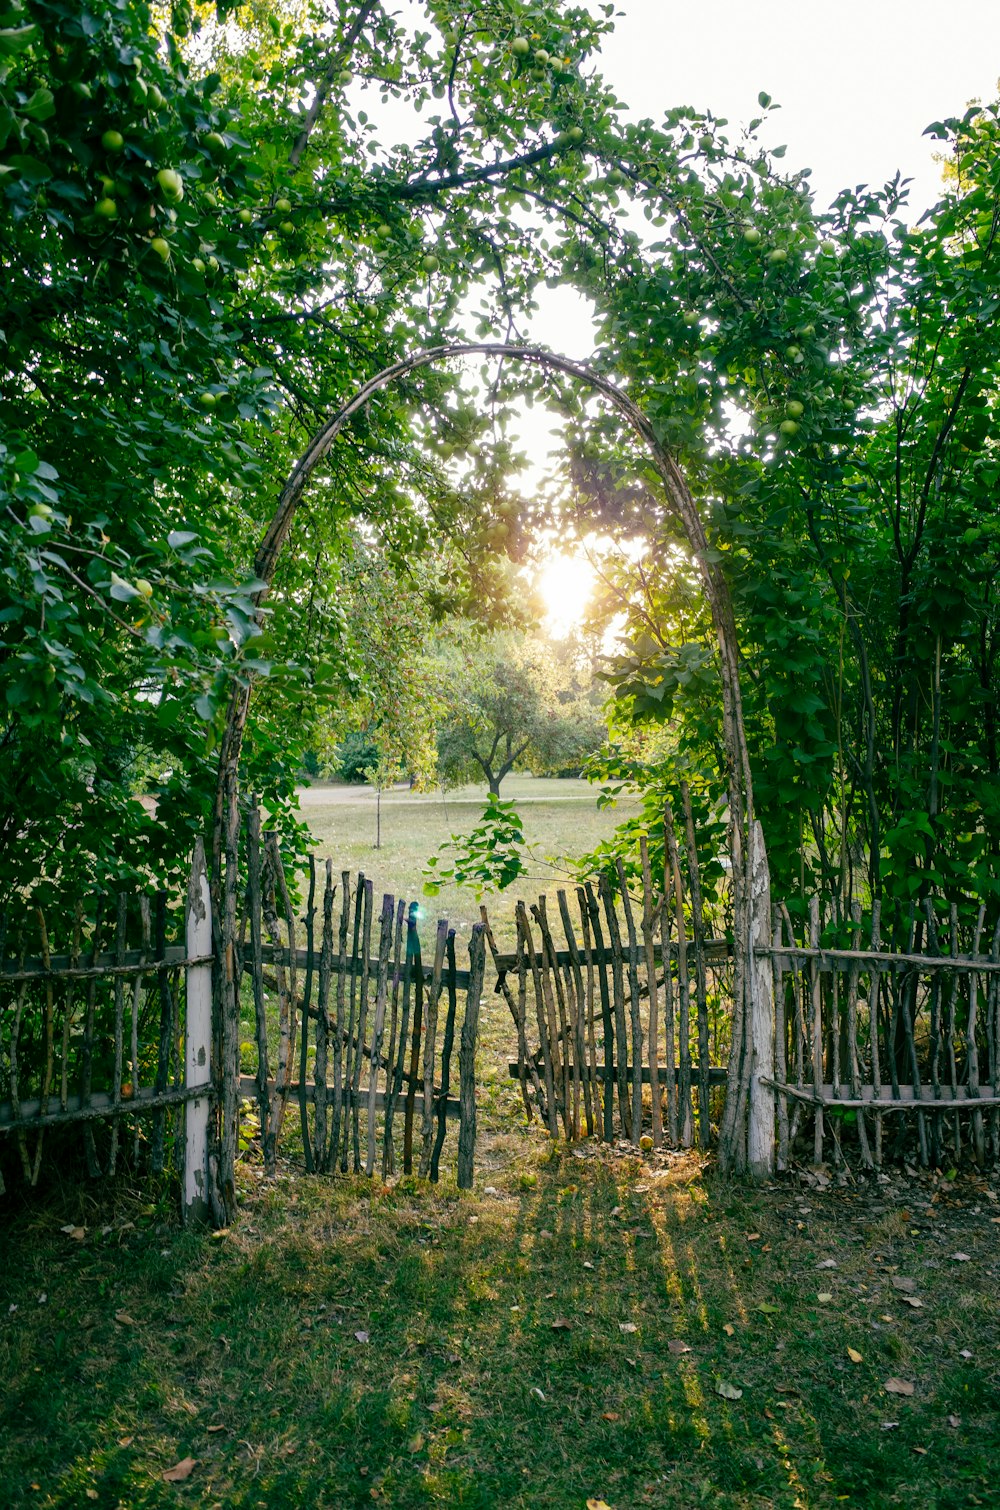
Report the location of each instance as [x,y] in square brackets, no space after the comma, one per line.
[565,584]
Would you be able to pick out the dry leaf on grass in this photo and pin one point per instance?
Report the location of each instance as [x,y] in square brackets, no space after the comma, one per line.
[124,1319]
[854,1355]
[180,1471]
[906,1285]
[960,1258]
[824,1297]
[562,1325]
[729,1329]
[911,1300]
[627,1326]
[954,1422]
[361,1336]
[827,1263]
[593,1504]
[728,1391]
[79,1233]
[677,1347]
[896,1386]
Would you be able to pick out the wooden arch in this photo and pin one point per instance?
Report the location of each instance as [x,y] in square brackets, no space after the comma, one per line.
[746,842]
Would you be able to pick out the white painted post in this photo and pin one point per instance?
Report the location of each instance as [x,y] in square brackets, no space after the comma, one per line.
[198,1040]
[760,1142]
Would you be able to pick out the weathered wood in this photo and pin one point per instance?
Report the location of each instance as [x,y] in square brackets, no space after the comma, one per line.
[306,1007]
[339,1112]
[388,1152]
[378,1025]
[101,1107]
[919,1099]
[366,949]
[325,1029]
[49,1023]
[816,1004]
[526,944]
[430,1042]
[698,939]
[166,1020]
[418,1024]
[607,896]
[760,1129]
[446,1052]
[556,1026]
[255,908]
[780,1039]
[467,1061]
[684,1114]
[607,1021]
[352,1049]
[287,987]
[145,921]
[595,1073]
[649,911]
[515,1005]
[449,1107]
[635,1021]
[972,1047]
[581,1088]
[68,1010]
[197,1199]
[669,1036]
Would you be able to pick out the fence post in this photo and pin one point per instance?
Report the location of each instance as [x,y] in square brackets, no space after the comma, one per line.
[760,1142]
[467,1060]
[197,1040]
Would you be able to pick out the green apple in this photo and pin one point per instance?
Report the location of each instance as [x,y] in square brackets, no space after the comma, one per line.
[246,217]
[286,227]
[520,47]
[575,135]
[144,588]
[794,409]
[430,263]
[751,235]
[82,90]
[197,264]
[615,178]
[156,97]
[778,255]
[807,331]
[541,56]
[112,141]
[446,450]
[706,142]
[207,400]
[161,247]
[171,185]
[345,77]
[106,208]
[789,427]
[383,231]
[214,142]
[691,317]
[257,73]
[283,206]
[40,511]
[213,263]
[793,353]
[450,38]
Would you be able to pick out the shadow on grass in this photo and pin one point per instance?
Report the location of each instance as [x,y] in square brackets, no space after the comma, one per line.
[348,1345]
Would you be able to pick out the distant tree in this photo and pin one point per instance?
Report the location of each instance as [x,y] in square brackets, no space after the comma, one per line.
[512,703]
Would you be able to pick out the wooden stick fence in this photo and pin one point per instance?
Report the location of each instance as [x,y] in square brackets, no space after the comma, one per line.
[98,1038]
[363,1062]
[608,1014]
[862,1034]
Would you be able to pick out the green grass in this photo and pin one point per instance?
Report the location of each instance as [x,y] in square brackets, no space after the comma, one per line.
[243,1351]
[561,819]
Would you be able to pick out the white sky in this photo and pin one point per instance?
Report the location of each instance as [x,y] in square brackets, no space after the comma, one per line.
[857,80]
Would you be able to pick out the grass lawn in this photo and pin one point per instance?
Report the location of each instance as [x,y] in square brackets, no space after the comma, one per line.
[561,819]
[584,1327]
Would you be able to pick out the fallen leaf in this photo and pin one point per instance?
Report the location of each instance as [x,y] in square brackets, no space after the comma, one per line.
[125,1441]
[753,1237]
[728,1391]
[627,1326]
[361,1336]
[954,1422]
[124,1319]
[216,1428]
[824,1297]
[562,1325]
[906,1285]
[610,1415]
[965,1353]
[766,1309]
[960,1258]
[854,1355]
[180,1471]
[890,1425]
[911,1300]
[677,1347]
[896,1386]
[598,1505]
[890,1319]
[729,1329]
[827,1263]
[587,1264]
[92,1494]
[79,1233]
[536,1391]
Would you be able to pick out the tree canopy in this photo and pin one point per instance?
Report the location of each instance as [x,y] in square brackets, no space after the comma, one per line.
[219,221]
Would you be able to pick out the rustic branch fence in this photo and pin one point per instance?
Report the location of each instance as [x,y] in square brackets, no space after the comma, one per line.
[116,1031]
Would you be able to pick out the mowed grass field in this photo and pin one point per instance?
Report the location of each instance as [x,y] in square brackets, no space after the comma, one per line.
[561,822]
